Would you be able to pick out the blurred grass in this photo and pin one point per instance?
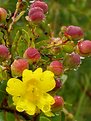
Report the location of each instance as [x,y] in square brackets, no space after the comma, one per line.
[69,12]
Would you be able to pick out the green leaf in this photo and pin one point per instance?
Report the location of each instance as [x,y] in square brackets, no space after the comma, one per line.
[64,78]
[57,117]
[15,43]
[10,117]
[1,116]
[43,118]
[1,75]
[19,16]
[26,36]
[2,90]
[62,116]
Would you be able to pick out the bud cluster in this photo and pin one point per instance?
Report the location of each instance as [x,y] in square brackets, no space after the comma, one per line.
[18,66]
[37,11]
[65,53]
[75,33]
[72,44]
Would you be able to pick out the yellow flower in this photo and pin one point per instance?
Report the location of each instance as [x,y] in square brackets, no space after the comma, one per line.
[30,94]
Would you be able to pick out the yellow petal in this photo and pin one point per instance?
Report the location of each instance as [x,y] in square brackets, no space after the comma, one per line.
[14,87]
[27,75]
[20,106]
[45,102]
[47,82]
[37,73]
[48,98]
[30,108]
[24,105]
[19,102]
[31,78]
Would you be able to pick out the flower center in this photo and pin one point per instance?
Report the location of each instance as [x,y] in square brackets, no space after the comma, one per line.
[32,91]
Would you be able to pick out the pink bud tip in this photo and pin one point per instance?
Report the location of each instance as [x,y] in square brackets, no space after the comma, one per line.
[18,66]
[59,101]
[36,14]
[40,4]
[56,67]
[32,54]
[4,53]
[84,48]
[74,31]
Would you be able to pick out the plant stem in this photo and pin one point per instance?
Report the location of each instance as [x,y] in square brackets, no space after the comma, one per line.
[15,14]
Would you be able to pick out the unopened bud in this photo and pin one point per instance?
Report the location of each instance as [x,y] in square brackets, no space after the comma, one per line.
[72,61]
[74,31]
[84,48]
[32,55]
[36,14]
[59,101]
[3,14]
[56,67]
[4,53]
[58,84]
[40,4]
[18,66]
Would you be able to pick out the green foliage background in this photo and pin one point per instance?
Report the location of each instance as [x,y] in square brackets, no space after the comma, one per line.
[77,88]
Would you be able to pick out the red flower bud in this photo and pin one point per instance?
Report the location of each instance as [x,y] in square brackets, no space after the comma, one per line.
[58,84]
[72,61]
[33,10]
[56,67]
[84,48]
[18,66]
[4,53]
[40,4]
[59,101]
[36,14]
[3,14]
[74,31]
[32,54]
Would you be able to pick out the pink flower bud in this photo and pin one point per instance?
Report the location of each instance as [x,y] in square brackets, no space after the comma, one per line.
[56,67]
[74,31]
[3,14]
[72,61]
[84,48]
[36,14]
[58,84]
[18,66]
[59,101]
[33,10]
[40,4]
[4,53]
[32,54]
